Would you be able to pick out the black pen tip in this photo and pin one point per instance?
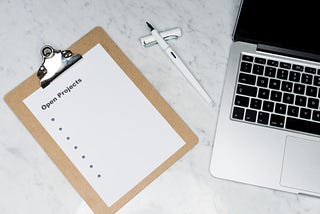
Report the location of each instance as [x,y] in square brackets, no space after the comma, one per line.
[150,26]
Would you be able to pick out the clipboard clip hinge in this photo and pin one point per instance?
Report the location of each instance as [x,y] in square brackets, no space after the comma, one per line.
[54,63]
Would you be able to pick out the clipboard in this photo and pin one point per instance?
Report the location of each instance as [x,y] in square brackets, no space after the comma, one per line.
[15,101]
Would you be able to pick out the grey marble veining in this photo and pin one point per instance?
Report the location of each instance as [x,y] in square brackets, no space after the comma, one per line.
[31,183]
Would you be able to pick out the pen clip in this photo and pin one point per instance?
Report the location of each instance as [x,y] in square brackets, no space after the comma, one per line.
[148,41]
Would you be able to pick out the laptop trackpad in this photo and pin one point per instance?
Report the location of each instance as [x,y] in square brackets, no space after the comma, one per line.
[301,165]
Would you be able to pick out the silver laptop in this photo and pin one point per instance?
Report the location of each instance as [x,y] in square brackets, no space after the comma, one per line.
[269,122]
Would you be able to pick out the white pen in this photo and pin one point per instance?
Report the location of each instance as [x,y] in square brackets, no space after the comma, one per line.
[180,65]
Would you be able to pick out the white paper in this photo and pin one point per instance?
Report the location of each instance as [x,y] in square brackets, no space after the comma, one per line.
[104,124]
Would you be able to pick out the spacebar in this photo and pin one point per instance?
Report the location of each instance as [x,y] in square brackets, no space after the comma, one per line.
[303,125]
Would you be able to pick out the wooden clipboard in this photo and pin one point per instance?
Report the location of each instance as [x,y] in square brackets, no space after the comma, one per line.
[15,100]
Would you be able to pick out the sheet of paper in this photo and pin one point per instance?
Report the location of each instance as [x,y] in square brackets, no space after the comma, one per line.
[104,124]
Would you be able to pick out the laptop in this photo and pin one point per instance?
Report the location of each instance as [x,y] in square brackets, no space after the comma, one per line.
[268,131]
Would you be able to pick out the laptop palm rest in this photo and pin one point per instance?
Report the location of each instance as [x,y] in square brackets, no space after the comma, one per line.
[301,165]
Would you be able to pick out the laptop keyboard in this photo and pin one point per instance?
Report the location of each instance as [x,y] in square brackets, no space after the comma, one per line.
[277,94]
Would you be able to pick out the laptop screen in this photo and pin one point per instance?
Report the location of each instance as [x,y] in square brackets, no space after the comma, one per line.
[282,23]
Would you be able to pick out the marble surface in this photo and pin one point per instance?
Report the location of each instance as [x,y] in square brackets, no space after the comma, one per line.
[31,183]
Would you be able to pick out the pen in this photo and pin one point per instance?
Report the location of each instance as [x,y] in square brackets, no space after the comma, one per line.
[179,64]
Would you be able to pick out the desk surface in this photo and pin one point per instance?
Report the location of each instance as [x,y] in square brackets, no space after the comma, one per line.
[31,183]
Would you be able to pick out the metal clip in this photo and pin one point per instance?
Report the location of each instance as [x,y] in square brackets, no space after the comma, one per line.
[148,41]
[54,63]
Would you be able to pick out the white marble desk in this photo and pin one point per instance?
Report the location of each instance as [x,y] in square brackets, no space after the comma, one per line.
[31,183]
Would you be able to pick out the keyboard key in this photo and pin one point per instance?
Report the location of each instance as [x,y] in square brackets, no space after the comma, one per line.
[241,101]
[285,65]
[268,106]
[247,78]
[303,125]
[316,81]
[282,74]
[238,113]
[263,93]
[247,58]
[301,101]
[263,118]
[294,76]
[280,108]
[288,98]
[260,60]
[310,70]
[316,115]
[250,115]
[245,67]
[305,113]
[286,86]
[293,111]
[262,82]
[298,88]
[258,69]
[276,96]
[318,72]
[277,120]
[297,67]
[247,90]
[311,91]
[274,84]
[255,103]
[270,71]
[273,63]
[313,103]
[306,78]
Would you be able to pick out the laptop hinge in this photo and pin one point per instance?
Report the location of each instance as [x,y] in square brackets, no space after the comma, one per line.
[288,52]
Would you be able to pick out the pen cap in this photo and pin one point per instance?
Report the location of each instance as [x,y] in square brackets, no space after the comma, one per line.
[148,41]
